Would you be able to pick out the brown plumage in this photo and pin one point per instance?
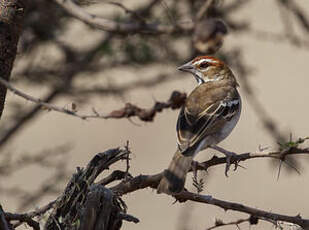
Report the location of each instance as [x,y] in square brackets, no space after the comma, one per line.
[210,113]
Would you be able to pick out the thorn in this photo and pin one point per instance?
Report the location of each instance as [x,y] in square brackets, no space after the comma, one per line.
[279,170]
[291,166]
[95,111]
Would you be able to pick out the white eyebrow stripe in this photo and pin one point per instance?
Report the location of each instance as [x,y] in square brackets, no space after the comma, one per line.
[211,60]
[203,60]
[199,61]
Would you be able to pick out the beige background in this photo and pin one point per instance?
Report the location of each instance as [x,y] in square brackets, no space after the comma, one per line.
[280,77]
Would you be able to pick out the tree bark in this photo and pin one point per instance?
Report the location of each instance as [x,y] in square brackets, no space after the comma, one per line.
[11,17]
[86,206]
[3,223]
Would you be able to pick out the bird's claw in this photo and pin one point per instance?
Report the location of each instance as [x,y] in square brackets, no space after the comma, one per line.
[229,156]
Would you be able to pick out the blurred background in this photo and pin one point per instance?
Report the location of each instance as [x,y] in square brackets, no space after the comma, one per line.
[77,66]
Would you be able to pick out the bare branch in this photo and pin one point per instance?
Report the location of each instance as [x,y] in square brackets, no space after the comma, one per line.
[144,181]
[298,13]
[83,180]
[128,217]
[120,27]
[128,11]
[24,218]
[42,210]
[176,100]
[152,181]
[203,9]
[116,175]
[184,196]
[38,212]
[220,223]
[279,155]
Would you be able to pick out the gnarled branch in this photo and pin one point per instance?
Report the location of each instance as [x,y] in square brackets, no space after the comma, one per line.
[175,101]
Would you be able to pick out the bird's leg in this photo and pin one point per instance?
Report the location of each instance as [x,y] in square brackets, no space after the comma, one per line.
[194,168]
[228,155]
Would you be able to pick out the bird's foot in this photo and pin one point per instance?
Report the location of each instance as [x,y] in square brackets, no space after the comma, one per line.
[229,156]
[194,166]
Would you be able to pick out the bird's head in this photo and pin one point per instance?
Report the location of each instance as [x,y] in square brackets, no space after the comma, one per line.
[206,69]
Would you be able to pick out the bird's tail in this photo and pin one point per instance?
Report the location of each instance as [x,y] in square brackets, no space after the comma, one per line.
[174,177]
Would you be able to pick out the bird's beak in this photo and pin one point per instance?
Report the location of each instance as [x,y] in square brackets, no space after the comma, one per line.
[188,67]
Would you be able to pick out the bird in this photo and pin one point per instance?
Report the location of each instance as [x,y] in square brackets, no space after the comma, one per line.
[209,115]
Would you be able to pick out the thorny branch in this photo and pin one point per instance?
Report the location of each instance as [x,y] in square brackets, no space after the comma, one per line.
[144,181]
[152,181]
[175,101]
[141,26]
[76,189]
[258,213]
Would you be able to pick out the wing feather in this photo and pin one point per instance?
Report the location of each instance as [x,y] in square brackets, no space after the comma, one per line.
[191,129]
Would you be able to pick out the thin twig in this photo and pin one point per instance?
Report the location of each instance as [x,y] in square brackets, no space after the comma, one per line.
[120,27]
[127,161]
[128,217]
[24,218]
[115,175]
[134,14]
[220,223]
[203,9]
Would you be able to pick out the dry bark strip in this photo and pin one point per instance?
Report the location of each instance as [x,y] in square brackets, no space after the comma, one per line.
[85,205]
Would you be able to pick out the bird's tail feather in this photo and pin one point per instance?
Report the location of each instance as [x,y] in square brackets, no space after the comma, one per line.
[174,177]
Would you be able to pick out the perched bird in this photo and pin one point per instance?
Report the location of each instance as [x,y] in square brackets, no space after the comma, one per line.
[209,115]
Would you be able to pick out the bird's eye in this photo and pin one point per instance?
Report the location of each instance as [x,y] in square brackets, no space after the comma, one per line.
[203,65]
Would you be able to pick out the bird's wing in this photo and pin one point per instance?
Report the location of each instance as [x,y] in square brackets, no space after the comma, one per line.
[194,126]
